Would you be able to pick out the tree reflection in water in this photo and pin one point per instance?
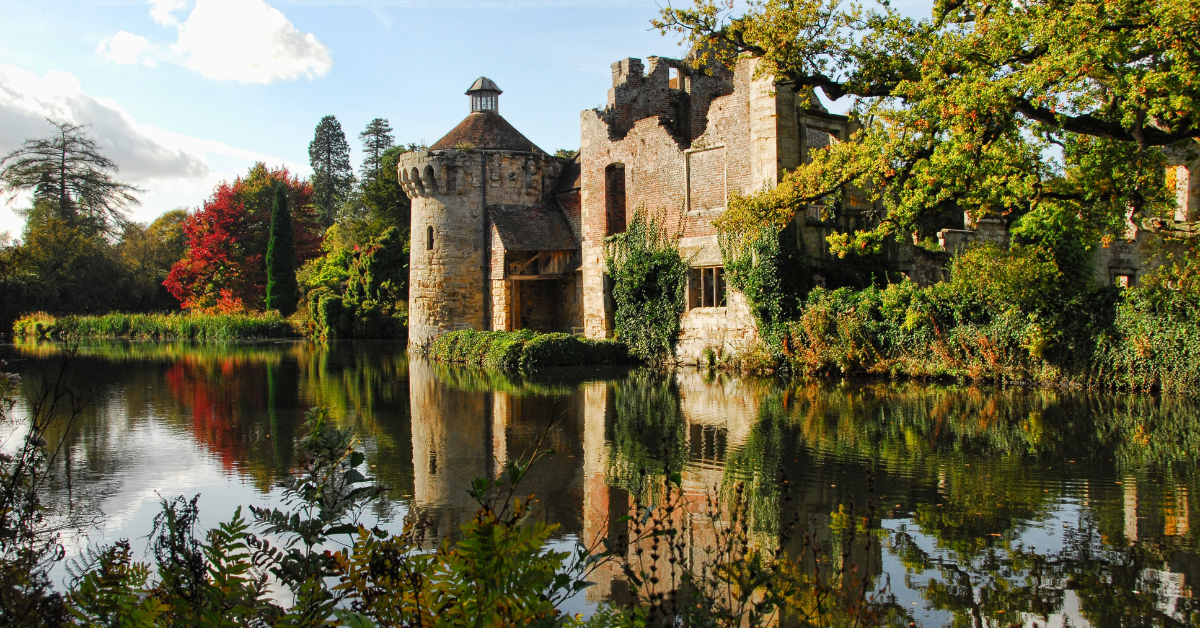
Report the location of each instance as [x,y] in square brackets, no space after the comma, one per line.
[971,487]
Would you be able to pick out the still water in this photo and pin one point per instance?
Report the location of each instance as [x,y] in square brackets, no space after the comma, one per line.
[991,506]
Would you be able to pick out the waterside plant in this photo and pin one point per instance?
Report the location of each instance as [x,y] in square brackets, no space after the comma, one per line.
[183,326]
[524,350]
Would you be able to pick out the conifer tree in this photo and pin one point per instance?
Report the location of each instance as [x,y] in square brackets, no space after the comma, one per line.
[333,177]
[282,292]
[69,176]
[376,139]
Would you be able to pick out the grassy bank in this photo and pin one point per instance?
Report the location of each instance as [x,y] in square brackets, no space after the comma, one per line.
[524,350]
[183,326]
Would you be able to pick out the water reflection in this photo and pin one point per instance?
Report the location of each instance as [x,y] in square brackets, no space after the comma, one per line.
[989,506]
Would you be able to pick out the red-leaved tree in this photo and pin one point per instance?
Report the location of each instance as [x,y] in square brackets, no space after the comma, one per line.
[224,268]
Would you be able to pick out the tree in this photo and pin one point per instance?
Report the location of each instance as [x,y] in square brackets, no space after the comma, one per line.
[964,110]
[333,178]
[376,139]
[69,173]
[224,268]
[147,254]
[74,269]
[281,257]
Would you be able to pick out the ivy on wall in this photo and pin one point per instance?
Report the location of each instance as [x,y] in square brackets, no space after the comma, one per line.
[763,262]
[648,279]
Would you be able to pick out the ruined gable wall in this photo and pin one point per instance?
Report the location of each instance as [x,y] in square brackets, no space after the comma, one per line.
[685,174]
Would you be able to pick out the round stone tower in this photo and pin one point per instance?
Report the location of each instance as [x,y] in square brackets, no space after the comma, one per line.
[456,258]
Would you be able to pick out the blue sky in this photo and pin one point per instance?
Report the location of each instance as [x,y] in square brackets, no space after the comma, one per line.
[185,93]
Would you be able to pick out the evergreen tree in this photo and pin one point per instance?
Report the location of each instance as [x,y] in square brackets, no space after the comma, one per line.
[376,139]
[282,292]
[333,178]
[70,177]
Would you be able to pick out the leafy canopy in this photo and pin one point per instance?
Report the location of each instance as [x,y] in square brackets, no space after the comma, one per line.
[224,268]
[1003,108]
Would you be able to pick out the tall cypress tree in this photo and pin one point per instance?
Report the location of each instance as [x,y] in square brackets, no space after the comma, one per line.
[282,291]
[333,177]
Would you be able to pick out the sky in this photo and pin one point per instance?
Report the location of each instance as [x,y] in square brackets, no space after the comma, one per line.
[183,94]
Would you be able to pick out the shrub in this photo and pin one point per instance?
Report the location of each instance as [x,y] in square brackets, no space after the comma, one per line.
[372,304]
[524,350]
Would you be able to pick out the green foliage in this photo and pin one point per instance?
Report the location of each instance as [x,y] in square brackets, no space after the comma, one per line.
[71,180]
[282,292]
[370,303]
[70,269]
[1006,315]
[524,350]
[1023,278]
[178,326]
[962,109]
[333,178]
[147,254]
[1153,344]
[648,279]
[765,265]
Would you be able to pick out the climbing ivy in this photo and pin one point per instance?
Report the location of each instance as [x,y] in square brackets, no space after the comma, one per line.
[763,263]
[648,279]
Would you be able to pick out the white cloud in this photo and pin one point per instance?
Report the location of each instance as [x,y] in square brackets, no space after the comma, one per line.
[163,11]
[173,169]
[126,49]
[250,42]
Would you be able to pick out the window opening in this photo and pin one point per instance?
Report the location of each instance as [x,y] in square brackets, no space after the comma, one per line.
[706,287]
[675,81]
[1123,281]
[614,193]
[429,238]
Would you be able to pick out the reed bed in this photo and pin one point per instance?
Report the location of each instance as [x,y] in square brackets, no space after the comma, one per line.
[176,326]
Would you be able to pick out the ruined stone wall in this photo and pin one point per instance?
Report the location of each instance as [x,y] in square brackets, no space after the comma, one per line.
[687,143]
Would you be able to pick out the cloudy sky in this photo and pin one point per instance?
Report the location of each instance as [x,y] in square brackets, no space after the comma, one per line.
[186,93]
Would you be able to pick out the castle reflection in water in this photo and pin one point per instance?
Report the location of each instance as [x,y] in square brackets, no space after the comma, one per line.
[1011,503]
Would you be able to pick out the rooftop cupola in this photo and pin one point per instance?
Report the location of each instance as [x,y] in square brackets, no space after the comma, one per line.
[485,96]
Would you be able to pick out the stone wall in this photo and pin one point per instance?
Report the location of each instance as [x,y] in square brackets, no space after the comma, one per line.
[687,141]
[459,283]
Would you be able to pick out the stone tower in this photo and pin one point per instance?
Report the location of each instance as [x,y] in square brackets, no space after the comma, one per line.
[482,172]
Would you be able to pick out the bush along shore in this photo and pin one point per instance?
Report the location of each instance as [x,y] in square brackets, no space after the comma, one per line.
[524,350]
[1004,316]
[185,326]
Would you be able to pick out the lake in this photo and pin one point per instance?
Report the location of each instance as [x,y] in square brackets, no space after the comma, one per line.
[986,505]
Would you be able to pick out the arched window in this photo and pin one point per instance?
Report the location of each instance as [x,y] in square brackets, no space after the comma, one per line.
[429,238]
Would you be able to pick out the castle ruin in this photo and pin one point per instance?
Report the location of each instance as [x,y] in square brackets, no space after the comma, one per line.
[508,237]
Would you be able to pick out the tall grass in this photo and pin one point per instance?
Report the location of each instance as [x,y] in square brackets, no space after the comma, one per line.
[182,326]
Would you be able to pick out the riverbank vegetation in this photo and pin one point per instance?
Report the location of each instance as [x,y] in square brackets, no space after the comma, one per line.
[178,326]
[524,350]
[81,256]
[1073,149]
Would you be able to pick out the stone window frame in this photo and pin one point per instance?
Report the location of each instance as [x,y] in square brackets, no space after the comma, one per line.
[706,288]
